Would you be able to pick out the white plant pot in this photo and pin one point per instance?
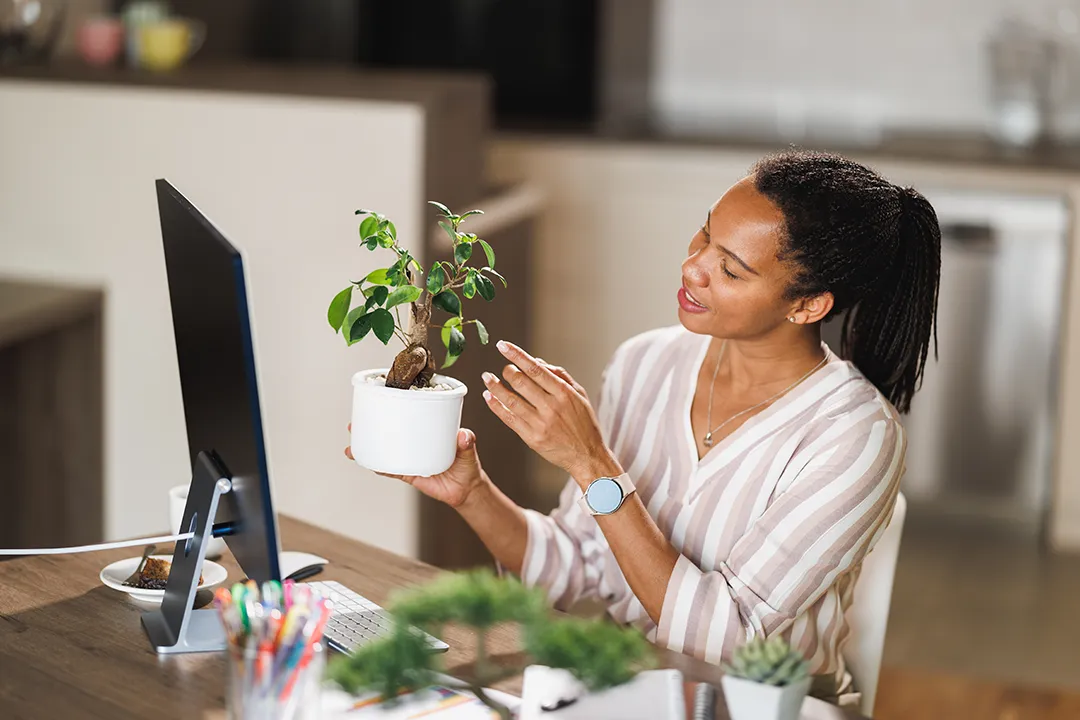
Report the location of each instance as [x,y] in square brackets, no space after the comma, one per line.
[405,432]
[749,700]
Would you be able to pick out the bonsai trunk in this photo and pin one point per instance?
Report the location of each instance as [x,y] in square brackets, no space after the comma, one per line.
[415,365]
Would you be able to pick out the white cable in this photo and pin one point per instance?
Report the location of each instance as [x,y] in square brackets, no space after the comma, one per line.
[99,546]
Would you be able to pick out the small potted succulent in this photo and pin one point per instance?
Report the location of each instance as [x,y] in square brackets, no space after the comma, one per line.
[597,653]
[766,680]
[405,418]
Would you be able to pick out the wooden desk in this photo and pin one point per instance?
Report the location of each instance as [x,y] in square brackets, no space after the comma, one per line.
[71,647]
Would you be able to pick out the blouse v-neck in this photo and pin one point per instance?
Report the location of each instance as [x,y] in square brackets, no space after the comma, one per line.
[687,412]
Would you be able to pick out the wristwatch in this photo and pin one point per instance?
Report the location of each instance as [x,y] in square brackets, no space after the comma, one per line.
[605,495]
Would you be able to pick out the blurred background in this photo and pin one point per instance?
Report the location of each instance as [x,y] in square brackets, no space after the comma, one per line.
[596,134]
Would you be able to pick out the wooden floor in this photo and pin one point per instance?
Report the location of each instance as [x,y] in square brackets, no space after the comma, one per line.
[933,695]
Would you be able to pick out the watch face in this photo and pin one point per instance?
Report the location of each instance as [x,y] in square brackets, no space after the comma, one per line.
[604,495]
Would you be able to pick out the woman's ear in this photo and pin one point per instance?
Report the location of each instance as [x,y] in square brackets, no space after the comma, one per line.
[812,310]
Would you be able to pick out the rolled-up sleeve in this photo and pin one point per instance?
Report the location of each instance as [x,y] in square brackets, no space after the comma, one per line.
[563,554]
[819,526]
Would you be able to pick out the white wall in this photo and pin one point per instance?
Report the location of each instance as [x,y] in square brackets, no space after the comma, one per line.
[917,63]
[617,221]
[282,178]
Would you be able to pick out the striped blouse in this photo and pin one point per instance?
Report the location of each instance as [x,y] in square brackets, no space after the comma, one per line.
[772,524]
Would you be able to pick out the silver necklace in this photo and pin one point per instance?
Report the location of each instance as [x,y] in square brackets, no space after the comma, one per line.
[712,386]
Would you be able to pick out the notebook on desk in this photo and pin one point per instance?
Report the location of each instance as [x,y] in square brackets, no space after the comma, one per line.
[651,695]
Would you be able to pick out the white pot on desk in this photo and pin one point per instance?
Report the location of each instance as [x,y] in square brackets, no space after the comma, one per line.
[749,700]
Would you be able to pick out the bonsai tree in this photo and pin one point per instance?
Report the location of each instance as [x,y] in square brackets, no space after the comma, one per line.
[404,283]
[598,653]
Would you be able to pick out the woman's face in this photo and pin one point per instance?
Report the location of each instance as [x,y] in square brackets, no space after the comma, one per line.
[733,283]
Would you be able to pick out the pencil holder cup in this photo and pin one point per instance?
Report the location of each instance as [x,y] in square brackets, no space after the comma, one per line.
[298,696]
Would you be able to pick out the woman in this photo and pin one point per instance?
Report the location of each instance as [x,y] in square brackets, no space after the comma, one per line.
[754,467]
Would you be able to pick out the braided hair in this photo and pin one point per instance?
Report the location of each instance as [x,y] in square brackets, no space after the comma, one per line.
[875,246]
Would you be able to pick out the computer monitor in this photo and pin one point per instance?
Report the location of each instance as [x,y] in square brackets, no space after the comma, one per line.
[208,292]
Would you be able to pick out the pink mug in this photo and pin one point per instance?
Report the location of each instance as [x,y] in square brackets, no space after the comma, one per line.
[100,40]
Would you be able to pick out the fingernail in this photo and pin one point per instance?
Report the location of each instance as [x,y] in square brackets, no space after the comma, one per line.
[487,395]
[488,377]
[502,345]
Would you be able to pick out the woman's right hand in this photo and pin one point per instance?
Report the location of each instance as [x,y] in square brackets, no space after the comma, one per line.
[456,484]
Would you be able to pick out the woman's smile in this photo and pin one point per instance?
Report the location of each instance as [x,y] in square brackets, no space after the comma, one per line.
[689,303]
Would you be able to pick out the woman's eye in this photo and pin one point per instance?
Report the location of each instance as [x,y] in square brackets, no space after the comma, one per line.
[723,266]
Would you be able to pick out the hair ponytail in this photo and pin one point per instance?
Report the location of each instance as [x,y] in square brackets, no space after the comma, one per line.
[887,333]
[876,247]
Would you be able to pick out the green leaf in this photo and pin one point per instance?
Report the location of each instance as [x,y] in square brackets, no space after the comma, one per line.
[416,266]
[396,273]
[463,252]
[379,294]
[363,212]
[350,320]
[489,252]
[457,341]
[449,301]
[485,287]
[377,277]
[449,328]
[454,322]
[391,229]
[492,272]
[454,341]
[406,294]
[471,212]
[368,227]
[469,289]
[436,279]
[382,322]
[385,240]
[372,243]
[371,302]
[339,308]
[482,332]
[449,231]
[442,208]
[359,328]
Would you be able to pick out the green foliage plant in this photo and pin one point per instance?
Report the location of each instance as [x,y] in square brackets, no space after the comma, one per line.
[597,652]
[373,304]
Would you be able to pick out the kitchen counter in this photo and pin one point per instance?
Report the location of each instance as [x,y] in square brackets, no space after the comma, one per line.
[968,148]
[51,352]
[312,80]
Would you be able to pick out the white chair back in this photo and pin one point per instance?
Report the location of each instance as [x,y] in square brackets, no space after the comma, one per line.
[868,615]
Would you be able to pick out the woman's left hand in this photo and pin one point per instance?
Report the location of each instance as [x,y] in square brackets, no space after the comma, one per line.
[551,412]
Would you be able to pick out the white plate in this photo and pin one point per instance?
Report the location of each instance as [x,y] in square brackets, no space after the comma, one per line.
[115,574]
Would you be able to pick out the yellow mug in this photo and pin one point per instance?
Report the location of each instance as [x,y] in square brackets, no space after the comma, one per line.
[166,44]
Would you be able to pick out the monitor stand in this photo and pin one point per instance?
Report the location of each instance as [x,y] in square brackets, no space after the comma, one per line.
[175,627]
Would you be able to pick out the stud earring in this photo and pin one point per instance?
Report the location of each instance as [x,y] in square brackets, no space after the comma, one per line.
[791,319]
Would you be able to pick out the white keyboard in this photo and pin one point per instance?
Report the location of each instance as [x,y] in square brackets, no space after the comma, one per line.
[357,620]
